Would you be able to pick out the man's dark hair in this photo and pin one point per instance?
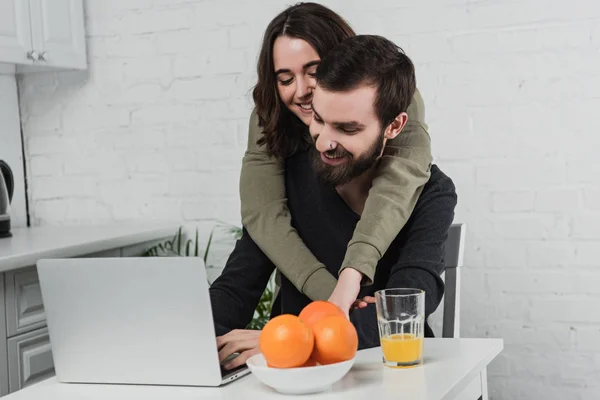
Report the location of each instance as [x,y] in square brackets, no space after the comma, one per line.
[372,60]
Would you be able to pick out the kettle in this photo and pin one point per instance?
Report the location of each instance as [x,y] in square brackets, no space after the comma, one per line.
[6,194]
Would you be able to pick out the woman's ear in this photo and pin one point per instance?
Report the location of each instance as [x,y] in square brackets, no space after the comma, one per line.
[396,126]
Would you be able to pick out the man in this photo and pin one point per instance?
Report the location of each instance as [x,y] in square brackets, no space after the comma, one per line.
[363,89]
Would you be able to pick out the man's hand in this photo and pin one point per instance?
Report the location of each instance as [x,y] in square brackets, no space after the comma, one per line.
[362,303]
[346,291]
[242,341]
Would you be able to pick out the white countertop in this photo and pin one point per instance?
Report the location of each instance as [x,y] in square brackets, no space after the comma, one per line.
[28,245]
[450,366]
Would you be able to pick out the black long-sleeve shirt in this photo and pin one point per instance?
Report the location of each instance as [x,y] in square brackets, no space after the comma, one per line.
[325,223]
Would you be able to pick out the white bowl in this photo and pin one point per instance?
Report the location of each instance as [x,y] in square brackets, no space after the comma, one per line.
[302,380]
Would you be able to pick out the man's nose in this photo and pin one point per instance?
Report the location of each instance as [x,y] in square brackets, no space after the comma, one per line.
[324,143]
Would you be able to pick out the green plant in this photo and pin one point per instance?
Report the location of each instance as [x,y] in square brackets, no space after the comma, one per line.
[263,310]
[178,246]
[173,247]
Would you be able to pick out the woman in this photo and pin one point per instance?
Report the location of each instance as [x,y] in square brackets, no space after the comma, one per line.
[292,46]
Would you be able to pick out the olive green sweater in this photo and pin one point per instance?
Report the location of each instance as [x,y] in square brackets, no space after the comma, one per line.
[401,174]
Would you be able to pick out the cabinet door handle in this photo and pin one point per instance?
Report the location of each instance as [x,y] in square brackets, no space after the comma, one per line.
[33,55]
[42,56]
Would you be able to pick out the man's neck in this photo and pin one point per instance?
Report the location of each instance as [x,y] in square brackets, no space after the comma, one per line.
[355,192]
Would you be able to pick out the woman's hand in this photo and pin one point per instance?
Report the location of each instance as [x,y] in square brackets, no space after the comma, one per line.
[242,341]
[346,291]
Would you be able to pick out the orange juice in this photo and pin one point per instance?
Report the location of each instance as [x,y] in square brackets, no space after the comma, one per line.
[402,348]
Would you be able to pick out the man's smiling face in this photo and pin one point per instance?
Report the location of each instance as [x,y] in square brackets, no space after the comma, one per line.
[347,133]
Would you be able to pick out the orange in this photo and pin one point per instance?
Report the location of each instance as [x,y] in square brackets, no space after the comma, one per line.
[286,342]
[317,310]
[336,340]
[310,363]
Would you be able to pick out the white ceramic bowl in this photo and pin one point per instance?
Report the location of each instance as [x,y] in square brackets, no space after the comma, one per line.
[303,380]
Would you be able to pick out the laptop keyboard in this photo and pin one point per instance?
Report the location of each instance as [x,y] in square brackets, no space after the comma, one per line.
[228,372]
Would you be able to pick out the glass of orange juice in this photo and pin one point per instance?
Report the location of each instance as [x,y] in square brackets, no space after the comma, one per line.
[401,321]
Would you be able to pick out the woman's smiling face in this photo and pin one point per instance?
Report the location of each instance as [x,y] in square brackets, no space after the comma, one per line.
[295,62]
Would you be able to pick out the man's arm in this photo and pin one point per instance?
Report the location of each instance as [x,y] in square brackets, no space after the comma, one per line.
[421,260]
[235,294]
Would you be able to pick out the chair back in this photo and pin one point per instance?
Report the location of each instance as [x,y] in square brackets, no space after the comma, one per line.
[453,260]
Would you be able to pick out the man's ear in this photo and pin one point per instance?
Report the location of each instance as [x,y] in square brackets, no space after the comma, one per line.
[396,126]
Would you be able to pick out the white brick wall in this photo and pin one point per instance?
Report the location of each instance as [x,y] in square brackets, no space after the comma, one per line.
[157,128]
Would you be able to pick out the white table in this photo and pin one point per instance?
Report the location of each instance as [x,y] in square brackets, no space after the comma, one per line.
[451,365]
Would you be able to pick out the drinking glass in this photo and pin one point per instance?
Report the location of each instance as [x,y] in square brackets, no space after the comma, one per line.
[401,320]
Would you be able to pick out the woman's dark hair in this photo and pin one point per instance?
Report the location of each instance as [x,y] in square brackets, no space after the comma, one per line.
[323,29]
[372,60]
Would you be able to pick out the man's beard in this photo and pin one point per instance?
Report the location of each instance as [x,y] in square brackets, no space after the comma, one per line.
[340,174]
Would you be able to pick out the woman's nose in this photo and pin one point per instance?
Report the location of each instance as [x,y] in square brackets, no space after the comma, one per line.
[303,89]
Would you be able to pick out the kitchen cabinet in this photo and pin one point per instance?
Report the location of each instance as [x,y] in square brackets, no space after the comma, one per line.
[23,299]
[43,33]
[15,31]
[29,359]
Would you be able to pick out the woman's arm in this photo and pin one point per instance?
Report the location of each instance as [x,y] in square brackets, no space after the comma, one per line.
[402,172]
[266,217]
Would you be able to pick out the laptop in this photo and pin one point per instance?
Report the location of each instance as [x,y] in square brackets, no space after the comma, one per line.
[132,320]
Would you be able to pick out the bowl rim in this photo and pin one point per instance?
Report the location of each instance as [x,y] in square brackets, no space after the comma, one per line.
[265,367]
